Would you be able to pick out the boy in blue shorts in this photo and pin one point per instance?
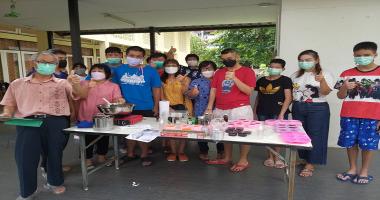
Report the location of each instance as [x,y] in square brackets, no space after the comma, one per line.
[360,112]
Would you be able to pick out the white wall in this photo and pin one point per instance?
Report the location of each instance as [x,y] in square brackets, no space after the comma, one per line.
[332,28]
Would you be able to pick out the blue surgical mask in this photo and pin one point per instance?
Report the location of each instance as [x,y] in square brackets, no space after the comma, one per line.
[159,64]
[274,71]
[363,60]
[306,65]
[133,61]
[46,68]
[113,60]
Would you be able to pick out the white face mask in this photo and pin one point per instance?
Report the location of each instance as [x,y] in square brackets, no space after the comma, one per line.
[208,74]
[171,70]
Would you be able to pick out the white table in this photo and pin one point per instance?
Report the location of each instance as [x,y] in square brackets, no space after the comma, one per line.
[266,137]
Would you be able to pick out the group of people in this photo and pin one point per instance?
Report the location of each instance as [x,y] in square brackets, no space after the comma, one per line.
[199,88]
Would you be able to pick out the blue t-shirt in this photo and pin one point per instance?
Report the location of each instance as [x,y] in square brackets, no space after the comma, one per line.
[201,101]
[137,84]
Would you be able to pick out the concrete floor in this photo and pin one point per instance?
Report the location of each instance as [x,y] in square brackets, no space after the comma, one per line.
[191,180]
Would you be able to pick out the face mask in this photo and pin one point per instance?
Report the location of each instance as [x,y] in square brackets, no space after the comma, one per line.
[208,74]
[192,63]
[80,71]
[113,60]
[98,76]
[46,68]
[306,64]
[62,64]
[229,63]
[171,70]
[274,71]
[133,61]
[363,60]
[159,64]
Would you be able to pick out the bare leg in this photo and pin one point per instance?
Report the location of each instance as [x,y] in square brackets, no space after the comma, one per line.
[227,152]
[352,154]
[131,144]
[244,150]
[182,145]
[366,161]
[173,146]
[144,149]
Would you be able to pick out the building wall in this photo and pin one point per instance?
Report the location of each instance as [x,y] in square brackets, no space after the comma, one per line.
[331,27]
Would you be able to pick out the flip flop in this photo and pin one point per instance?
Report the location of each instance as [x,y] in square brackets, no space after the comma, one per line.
[218,162]
[345,177]
[146,162]
[279,164]
[307,172]
[368,178]
[235,167]
[268,163]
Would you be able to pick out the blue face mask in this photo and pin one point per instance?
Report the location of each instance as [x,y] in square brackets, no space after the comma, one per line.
[133,61]
[113,60]
[274,71]
[306,65]
[363,60]
[159,64]
[46,68]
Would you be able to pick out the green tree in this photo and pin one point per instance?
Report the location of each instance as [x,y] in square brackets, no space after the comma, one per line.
[256,46]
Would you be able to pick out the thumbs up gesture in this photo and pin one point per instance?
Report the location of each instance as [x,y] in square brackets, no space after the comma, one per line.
[73,78]
[319,77]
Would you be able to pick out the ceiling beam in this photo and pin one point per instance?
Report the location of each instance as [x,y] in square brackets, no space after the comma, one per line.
[170,29]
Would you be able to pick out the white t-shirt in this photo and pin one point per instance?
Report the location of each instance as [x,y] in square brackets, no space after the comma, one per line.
[307,89]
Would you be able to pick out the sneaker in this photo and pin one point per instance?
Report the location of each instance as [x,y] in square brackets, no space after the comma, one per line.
[183,157]
[171,157]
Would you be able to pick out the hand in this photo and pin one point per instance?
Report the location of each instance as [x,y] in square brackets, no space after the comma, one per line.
[92,83]
[73,117]
[121,100]
[280,117]
[155,111]
[73,78]
[230,76]
[180,78]
[194,92]
[208,111]
[349,85]
[319,77]
[171,53]
[378,126]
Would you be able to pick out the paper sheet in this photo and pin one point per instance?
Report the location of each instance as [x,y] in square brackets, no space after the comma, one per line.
[144,136]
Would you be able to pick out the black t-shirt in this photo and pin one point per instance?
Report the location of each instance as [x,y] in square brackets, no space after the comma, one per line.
[271,95]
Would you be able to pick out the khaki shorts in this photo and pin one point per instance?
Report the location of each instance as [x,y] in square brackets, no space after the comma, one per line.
[243,112]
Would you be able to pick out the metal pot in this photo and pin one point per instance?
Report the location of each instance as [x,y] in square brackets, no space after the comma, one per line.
[116,108]
[103,122]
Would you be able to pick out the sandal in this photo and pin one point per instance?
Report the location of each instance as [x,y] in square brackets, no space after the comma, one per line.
[306,172]
[268,163]
[362,180]
[344,177]
[239,167]
[218,162]
[89,164]
[55,189]
[146,161]
[279,164]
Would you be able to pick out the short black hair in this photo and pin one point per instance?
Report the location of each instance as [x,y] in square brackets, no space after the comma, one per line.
[228,50]
[191,55]
[278,61]
[56,51]
[113,50]
[207,63]
[102,66]
[135,48]
[81,65]
[158,55]
[366,46]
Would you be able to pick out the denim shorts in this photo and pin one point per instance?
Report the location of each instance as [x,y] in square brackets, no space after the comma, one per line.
[362,132]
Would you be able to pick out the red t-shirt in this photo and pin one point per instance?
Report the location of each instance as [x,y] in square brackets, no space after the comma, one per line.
[228,95]
[364,100]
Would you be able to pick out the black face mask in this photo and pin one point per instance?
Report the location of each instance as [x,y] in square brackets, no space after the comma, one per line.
[229,63]
[62,64]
